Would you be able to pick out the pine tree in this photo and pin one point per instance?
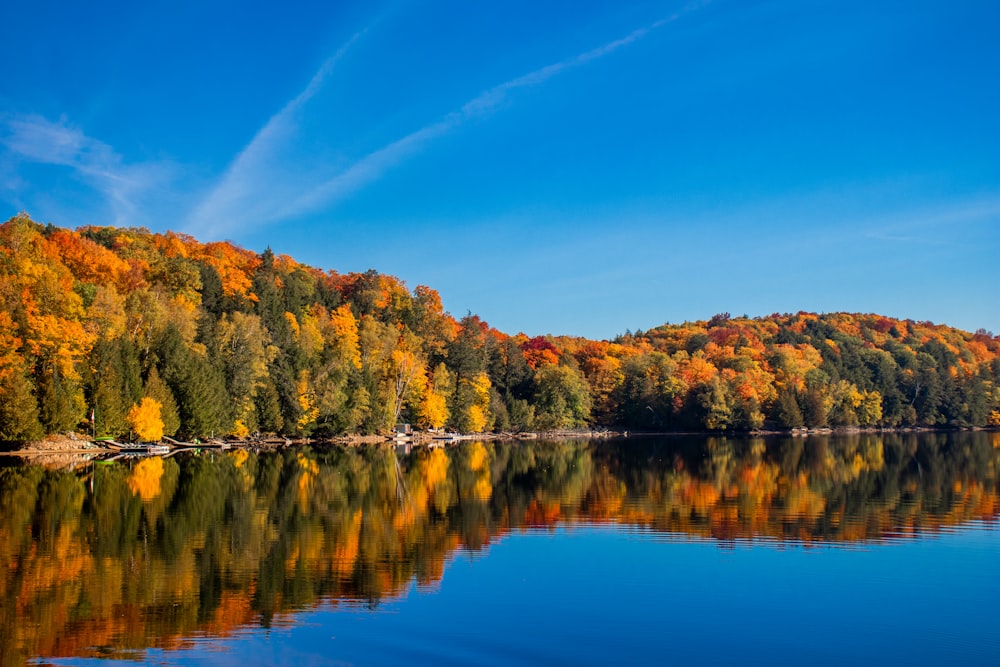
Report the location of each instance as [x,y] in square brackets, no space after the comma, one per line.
[18,408]
[198,386]
[788,412]
[268,408]
[61,401]
[113,385]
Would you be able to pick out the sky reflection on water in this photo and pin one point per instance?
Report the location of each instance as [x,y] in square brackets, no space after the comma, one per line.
[600,595]
[713,552]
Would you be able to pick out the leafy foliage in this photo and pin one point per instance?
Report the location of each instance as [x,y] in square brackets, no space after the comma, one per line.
[230,341]
[144,418]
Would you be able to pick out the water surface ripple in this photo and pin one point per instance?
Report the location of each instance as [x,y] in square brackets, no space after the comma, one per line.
[865,549]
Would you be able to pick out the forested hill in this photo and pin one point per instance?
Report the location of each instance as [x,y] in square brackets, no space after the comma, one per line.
[124,331]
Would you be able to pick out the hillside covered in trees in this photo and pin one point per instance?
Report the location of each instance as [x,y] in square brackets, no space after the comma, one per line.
[123,331]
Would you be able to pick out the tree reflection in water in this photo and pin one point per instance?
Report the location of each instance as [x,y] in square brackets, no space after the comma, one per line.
[121,557]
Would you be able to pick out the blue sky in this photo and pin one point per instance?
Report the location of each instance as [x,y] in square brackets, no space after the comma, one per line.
[556,167]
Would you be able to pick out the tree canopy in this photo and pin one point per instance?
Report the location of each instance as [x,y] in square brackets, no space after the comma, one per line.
[95,321]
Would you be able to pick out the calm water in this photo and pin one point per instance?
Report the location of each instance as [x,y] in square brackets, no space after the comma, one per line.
[869,549]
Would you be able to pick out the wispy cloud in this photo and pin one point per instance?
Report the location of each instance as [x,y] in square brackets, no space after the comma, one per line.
[251,193]
[371,167]
[36,139]
[924,226]
[491,98]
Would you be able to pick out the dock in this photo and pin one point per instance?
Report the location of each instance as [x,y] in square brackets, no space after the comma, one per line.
[134,448]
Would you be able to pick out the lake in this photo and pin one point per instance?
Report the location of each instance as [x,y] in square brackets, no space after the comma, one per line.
[862,549]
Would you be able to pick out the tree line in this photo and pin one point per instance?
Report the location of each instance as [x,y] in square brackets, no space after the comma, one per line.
[128,333]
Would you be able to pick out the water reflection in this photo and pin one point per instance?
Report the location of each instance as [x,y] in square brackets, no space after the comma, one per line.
[110,559]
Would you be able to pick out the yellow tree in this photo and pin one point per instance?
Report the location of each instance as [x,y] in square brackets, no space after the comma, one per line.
[144,418]
[435,328]
[409,380]
[870,409]
[433,409]
[604,374]
[337,362]
[474,415]
[792,363]
[308,412]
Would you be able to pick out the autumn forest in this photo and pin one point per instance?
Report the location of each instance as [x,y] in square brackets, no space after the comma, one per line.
[132,334]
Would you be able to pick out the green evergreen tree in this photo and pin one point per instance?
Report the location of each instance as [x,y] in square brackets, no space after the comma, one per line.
[816,407]
[521,414]
[788,413]
[283,376]
[509,372]
[61,401]
[213,300]
[197,384]
[268,407]
[498,408]
[113,385]
[18,408]
[747,414]
[928,393]
[467,354]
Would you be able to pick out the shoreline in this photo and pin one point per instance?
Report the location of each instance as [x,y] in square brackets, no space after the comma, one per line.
[77,444]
